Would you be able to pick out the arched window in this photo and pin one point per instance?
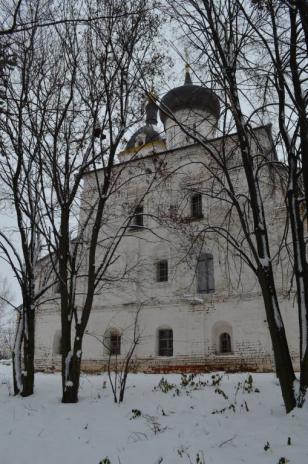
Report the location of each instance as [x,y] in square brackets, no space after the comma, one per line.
[225,343]
[113,343]
[165,342]
[57,343]
[196,206]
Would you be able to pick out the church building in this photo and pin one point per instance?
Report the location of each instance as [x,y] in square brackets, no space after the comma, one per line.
[177,293]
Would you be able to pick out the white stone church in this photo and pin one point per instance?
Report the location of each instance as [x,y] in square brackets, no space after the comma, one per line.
[176,289]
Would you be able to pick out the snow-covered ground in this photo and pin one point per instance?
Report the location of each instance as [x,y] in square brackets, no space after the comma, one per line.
[225,423]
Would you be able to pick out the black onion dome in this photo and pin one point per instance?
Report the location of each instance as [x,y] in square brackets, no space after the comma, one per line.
[189,96]
[142,136]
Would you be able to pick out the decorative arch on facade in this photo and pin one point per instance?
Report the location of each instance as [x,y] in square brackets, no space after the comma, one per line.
[164,341]
[222,338]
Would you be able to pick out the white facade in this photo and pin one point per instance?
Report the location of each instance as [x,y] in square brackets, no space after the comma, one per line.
[203,309]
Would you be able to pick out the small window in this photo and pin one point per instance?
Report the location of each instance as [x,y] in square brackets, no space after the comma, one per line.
[57,287]
[172,211]
[114,344]
[196,206]
[205,274]
[165,342]
[137,220]
[162,271]
[225,343]
[57,343]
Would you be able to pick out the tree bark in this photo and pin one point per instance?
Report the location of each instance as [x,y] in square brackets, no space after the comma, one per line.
[72,364]
[16,356]
[283,362]
[27,374]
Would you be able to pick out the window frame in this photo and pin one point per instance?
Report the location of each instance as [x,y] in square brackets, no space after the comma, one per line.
[196,209]
[162,271]
[57,345]
[165,337]
[114,348]
[137,221]
[206,276]
[225,343]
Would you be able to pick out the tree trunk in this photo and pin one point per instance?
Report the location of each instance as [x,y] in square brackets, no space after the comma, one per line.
[16,356]
[283,362]
[71,363]
[27,374]
[294,193]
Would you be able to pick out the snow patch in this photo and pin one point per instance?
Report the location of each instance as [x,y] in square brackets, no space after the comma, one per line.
[265,262]
[172,429]
[193,299]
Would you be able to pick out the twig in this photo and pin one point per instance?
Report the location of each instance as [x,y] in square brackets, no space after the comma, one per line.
[226,441]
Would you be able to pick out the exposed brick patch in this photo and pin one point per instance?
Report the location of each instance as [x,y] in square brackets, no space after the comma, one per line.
[174,365]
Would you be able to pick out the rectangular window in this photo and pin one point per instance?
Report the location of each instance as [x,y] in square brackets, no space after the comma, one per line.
[172,211]
[196,206]
[138,217]
[165,342]
[162,271]
[57,287]
[205,274]
[115,344]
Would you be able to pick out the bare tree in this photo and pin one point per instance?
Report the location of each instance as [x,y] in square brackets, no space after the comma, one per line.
[6,328]
[225,42]
[97,75]
[285,23]
[20,244]
[120,347]
[48,14]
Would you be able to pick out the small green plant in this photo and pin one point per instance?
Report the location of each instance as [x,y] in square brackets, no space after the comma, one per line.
[192,382]
[248,385]
[153,424]
[216,379]
[222,393]
[231,407]
[200,458]
[164,386]
[106,460]
[187,380]
[182,452]
[267,446]
[136,413]
[246,406]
